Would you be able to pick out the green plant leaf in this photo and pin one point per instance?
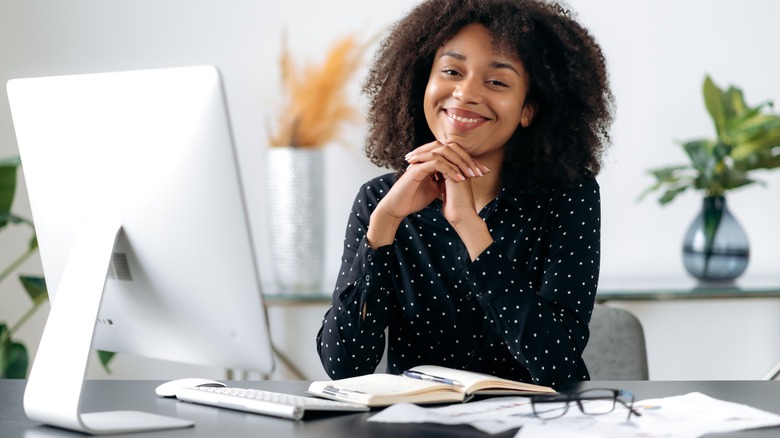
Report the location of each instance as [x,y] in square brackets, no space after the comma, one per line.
[700,153]
[719,152]
[751,156]
[35,287]
[14,359]
[33,245]
[733,179]
[735,102]
[717,105]
[748,138]
[669,174]
[11,161]
[105,358]
[670,194]
[671,178]
[763,128]
[7,188]
[768,163]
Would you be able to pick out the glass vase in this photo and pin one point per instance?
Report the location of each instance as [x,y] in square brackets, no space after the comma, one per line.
[715,248]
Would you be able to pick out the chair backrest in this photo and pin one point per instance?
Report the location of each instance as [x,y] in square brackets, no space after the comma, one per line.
[616,349]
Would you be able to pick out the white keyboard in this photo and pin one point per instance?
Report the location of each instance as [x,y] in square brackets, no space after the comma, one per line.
[263,402]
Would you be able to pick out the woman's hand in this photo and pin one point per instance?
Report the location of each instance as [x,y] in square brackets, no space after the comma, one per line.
[455,183]
[451,160]
[414,190]
[435,171]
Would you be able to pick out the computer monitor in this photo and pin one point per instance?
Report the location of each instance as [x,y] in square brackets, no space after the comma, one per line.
[143,230]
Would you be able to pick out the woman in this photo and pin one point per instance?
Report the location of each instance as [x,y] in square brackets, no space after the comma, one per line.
[481,251]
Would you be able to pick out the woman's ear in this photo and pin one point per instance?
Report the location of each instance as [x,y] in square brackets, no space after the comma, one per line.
[527,114]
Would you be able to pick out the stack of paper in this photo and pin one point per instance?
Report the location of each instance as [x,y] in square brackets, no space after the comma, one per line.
[686,416]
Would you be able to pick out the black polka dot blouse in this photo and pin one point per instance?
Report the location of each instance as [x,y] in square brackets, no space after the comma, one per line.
[519,311]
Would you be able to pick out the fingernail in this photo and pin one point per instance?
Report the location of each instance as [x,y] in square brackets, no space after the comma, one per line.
[479,172]
[471,172]
[461,177]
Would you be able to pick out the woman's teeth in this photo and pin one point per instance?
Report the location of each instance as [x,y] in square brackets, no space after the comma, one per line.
[463,119]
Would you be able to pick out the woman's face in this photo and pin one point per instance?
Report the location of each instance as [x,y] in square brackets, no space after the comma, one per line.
[475,96]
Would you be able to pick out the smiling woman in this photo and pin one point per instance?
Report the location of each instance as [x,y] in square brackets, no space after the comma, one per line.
[474,102]
[481,252]
[475,97]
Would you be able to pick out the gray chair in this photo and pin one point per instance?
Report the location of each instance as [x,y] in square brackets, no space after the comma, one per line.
[616,349]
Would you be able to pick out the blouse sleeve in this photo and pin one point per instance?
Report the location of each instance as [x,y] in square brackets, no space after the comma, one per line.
[348,343]
[543,316]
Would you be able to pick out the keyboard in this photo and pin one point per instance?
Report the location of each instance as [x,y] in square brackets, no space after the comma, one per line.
[263,402]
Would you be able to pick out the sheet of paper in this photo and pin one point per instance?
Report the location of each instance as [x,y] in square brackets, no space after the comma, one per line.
[686,416]
[492,415]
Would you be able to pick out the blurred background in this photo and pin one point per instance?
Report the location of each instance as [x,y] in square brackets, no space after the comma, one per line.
[658,54]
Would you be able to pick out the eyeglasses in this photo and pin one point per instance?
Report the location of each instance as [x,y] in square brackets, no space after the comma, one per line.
[590,402]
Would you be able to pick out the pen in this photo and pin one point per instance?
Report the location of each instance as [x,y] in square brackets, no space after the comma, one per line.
[430,378]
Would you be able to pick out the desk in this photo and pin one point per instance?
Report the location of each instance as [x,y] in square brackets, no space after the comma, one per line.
[212,422]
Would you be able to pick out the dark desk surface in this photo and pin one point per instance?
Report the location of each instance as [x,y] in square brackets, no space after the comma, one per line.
[213,422]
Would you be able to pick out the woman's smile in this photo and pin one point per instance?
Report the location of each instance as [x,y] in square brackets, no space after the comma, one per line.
[475,95]
[464,120]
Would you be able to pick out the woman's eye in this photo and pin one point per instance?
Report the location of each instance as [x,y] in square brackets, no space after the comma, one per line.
[497,83]
[450,72]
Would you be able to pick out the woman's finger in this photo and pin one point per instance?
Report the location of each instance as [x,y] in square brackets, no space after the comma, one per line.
[452,153]
[472,167]
[440,167]
[485,169]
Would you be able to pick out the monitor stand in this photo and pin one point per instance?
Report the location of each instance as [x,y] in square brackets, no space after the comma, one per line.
[54,388]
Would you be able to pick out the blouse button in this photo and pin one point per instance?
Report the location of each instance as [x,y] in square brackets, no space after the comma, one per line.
[468,295]
[370,257]
[479,295]
[368,278]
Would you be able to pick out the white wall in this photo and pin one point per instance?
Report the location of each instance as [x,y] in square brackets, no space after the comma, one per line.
[658,52]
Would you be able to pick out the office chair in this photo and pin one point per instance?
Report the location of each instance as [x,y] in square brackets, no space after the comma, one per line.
[616,349]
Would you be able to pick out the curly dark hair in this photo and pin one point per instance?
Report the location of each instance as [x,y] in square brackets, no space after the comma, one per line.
[569,86]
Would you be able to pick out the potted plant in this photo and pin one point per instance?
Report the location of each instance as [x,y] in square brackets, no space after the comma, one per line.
[747,139]
[14,358]
[315,109]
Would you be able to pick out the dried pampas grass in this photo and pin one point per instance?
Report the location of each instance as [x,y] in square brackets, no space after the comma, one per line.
[316,104]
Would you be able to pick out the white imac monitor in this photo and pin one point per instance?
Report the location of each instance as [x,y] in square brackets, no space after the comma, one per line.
[143,232]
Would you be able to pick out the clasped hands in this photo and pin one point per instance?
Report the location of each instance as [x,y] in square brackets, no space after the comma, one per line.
[436,170]
[442,171]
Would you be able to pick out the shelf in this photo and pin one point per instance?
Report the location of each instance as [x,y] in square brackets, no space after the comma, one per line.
[686,289]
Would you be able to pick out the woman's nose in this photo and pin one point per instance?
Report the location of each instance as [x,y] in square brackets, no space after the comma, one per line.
[468,90]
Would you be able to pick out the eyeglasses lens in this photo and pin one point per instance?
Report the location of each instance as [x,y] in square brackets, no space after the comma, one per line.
[549,409]
[597,401]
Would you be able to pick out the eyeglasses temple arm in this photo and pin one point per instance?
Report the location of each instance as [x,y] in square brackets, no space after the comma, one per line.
[630,408]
